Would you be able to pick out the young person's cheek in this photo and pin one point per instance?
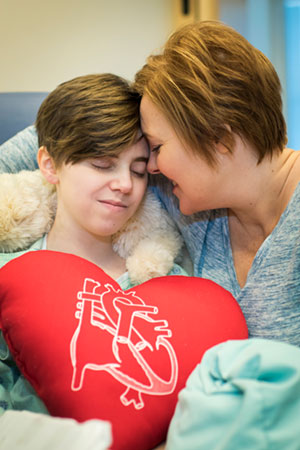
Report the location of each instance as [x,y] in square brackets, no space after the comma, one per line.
[141,187]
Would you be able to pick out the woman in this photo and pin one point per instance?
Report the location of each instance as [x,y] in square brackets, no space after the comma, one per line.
[212,113]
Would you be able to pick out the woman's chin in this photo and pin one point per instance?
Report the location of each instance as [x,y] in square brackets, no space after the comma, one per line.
[186,209]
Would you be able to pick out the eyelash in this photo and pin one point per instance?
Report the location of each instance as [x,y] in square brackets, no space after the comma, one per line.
[101,167]
[156,149]
[137,174]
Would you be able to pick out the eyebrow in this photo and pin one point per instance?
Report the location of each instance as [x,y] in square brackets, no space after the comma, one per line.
[142,136]
[141,159]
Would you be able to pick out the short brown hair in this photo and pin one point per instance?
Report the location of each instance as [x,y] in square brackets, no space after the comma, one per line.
[88,116]
[210,77]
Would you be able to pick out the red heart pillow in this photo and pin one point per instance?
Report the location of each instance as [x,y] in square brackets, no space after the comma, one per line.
[93,351]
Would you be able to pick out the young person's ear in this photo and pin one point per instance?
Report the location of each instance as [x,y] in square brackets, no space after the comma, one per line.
[47,166]
[225,142]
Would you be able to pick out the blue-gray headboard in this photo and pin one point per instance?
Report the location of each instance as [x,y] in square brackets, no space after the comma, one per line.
[17,111]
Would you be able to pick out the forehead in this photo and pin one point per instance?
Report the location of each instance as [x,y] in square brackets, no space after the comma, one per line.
[153,122]
[139,149]
[149,110]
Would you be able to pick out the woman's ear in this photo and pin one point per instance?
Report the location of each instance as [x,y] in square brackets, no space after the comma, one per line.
[47,166]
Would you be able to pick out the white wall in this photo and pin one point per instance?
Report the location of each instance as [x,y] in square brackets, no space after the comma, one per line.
[45,42]
[262,23]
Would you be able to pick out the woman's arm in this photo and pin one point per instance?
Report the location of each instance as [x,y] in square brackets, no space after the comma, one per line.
[19,152]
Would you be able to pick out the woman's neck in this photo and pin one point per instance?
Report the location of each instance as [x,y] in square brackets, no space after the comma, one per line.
[262,200]
[259,205]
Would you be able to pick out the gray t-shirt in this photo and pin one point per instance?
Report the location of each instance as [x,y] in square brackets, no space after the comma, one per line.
[270,299]
[19,152]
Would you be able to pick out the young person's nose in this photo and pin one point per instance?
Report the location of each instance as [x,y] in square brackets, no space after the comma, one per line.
[152,164]
[123,181]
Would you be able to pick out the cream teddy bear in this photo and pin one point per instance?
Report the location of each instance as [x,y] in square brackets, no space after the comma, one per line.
[149,242]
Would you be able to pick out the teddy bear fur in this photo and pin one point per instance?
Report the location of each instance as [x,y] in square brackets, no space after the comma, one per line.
[149,242]
[27,209]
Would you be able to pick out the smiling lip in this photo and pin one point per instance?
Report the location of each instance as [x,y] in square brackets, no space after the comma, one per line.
[113,203]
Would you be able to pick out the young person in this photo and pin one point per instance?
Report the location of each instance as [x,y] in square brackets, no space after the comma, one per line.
[92,149]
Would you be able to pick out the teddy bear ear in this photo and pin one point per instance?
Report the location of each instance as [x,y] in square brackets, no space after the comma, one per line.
[47,165]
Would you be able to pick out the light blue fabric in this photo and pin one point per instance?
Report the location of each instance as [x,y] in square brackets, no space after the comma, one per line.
[15,391]
[245,395]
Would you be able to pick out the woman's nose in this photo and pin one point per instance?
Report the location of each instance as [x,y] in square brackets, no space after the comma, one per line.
[152,164]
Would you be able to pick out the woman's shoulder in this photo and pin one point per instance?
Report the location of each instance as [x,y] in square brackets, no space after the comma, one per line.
[19,152]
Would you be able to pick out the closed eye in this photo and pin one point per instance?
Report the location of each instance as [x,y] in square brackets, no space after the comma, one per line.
[102,167]
[139,167]
[139,174]
[103,163]
[156,149]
